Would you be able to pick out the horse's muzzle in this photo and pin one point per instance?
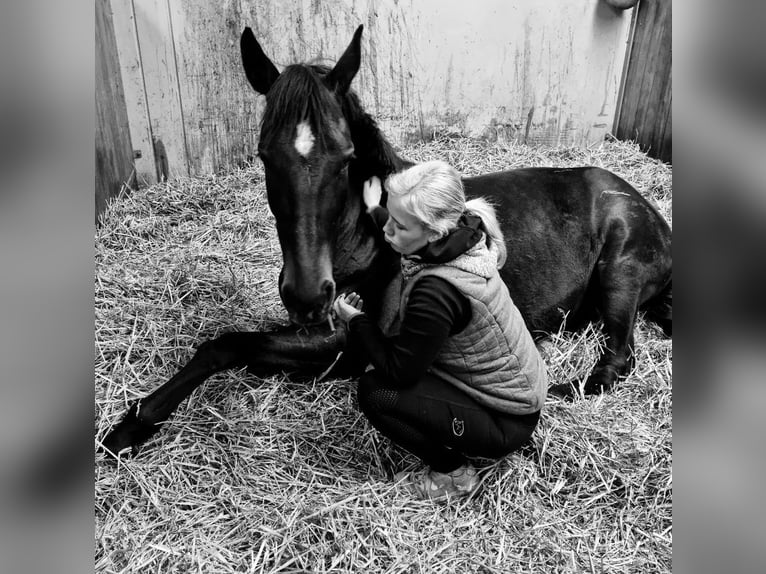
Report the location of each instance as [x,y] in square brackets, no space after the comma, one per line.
[307,308]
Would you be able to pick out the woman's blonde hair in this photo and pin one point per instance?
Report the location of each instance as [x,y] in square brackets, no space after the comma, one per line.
[433,193]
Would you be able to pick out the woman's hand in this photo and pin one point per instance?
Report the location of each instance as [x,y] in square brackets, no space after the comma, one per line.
[347,306]
[371,192]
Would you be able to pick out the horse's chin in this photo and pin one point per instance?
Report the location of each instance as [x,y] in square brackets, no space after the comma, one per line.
[303,320]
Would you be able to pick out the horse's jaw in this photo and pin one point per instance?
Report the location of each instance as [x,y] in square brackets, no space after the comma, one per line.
[298,321]
[355,248]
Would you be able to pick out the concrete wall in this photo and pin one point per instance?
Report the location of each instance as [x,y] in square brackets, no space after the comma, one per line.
[536,71]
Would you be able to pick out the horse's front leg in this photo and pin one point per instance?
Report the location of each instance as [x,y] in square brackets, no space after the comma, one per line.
[289,350]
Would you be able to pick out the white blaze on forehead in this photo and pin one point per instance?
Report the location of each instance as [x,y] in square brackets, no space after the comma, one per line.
[304,139]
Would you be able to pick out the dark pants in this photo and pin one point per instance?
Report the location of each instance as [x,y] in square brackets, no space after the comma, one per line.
[439,423]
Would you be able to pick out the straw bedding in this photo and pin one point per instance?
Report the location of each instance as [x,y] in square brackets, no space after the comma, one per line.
[268,475]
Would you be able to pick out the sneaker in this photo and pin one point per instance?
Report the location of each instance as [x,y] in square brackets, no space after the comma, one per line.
[434,485]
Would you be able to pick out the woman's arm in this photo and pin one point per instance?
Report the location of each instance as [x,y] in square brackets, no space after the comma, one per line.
[435,310]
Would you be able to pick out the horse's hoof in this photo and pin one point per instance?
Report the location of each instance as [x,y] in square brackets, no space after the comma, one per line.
[601,380]
[130,433]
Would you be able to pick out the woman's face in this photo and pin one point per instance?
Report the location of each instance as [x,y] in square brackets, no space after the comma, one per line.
[404,231]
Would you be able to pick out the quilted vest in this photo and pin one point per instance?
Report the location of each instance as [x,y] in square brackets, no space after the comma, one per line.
[493,359]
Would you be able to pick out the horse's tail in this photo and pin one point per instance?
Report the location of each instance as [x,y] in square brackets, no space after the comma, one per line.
[660,309]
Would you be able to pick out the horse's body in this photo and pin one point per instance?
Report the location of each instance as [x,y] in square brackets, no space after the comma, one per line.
[582,243]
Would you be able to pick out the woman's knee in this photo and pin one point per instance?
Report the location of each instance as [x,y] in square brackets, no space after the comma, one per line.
[514,437]
[373,396]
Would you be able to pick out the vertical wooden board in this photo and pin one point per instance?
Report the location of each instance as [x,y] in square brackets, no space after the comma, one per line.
[663,137]
[158,60]
[639,64]
[653,53]
[221,111]
[645,109]
[135,97]
[661,129]
[114,158]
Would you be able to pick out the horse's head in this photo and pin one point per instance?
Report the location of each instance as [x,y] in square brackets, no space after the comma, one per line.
[305,145]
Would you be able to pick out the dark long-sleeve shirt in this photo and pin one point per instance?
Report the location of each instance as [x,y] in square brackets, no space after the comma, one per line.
[435,310]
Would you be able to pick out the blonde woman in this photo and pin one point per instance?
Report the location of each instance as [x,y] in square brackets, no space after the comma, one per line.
[463,377]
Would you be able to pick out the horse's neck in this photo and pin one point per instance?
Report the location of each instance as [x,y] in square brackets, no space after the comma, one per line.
[359,246]
[356,247]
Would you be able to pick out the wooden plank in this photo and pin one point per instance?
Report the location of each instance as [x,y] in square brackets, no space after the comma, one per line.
[135,96]
[114,156]
[635,76]
[158,60]
[645,109]
[220,110]
[663,141]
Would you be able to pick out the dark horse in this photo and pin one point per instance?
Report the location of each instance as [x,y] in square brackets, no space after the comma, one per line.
[582,243]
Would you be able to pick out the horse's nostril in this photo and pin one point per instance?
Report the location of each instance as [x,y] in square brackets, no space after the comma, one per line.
[307,306]
[289,298]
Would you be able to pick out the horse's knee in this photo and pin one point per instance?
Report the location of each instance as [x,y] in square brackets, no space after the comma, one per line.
[219,353]
[205,352]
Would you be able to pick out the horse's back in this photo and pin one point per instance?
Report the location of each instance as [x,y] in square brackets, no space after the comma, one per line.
[558,224]
[571,189]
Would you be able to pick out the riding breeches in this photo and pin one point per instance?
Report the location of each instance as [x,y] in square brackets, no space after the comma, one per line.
[439,423]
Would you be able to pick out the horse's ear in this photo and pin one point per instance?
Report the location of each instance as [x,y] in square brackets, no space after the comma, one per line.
[260,71]
[340,77]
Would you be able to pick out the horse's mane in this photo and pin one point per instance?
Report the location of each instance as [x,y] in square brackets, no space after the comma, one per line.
[299,94]
[371,145]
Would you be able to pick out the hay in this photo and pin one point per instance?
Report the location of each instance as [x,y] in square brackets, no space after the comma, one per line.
[267,475]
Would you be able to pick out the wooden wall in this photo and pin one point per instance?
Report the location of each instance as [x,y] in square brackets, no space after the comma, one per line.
[645,112]
[114,153]
[535,71]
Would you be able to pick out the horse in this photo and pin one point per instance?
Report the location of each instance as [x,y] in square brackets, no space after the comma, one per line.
[582,243]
